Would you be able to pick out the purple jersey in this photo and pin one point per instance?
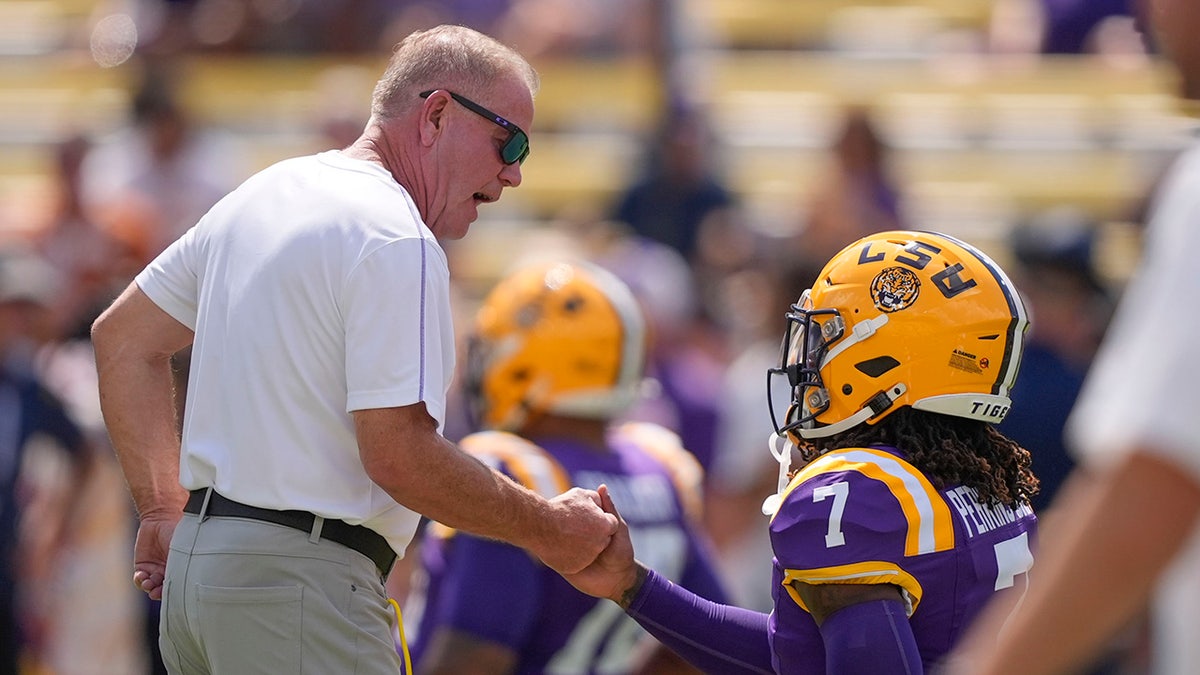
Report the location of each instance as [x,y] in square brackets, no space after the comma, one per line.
[865,515]
[500,593]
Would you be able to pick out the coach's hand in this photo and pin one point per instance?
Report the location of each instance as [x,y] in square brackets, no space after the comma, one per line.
[150,553]
[614,574]
[576,531]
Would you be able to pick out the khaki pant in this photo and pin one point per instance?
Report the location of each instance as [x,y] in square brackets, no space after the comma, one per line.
[244,597]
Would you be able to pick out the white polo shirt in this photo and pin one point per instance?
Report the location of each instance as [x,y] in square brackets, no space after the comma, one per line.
[314,290]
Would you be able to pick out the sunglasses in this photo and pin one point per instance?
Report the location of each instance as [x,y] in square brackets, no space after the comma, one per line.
[516,148]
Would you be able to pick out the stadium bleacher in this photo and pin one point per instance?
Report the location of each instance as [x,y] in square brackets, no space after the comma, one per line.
[976,139]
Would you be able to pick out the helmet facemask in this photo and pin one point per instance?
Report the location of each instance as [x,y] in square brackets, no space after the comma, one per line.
[806,341]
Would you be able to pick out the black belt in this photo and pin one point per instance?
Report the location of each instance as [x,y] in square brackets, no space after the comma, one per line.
[362,539]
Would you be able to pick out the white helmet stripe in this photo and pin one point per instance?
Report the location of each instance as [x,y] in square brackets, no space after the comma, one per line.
[632,323]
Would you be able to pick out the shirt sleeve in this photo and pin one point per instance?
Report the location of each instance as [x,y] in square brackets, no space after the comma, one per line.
[855,517]
[399,333]
[172,279]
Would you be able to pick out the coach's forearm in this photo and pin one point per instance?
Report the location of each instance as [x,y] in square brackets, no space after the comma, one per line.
[137,401]
[404,454]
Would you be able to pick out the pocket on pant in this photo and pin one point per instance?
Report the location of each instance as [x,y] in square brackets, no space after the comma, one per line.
[166,640]
[251,630]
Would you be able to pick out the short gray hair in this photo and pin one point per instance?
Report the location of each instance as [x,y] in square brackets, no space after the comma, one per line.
[443,57]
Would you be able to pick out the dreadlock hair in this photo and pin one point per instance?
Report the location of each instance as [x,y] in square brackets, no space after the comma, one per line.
[949,450]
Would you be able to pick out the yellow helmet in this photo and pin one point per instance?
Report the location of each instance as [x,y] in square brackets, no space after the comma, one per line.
[900,318]
[563,338]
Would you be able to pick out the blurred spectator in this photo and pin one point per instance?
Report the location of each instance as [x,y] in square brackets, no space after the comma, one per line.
[1069,308]
[679,191]
[856,196]
[540,28]
[1070,25]
[171,27]
[482,15]
[743,472]
[31,418]
[340,117]
[588,28]
[1064,27]
[152,180]
[93,265]
[687,354]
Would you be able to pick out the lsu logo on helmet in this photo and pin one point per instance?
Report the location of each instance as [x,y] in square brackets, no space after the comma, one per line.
[894,289]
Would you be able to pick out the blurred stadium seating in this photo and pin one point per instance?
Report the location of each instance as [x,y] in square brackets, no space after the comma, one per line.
[976,139]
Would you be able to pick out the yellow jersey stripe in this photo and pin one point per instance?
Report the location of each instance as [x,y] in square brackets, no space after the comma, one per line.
[532,466]
[666,446]
[869,572]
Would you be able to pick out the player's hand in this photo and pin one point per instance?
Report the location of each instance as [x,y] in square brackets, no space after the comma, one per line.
[150,553]
[580,530]
[614,573]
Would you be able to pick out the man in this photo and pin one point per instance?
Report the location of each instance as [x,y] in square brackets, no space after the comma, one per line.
[316,299]
[557,355]
[1129,510]
[910,512]
[29,413]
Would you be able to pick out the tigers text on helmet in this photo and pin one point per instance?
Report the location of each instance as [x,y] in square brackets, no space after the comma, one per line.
[900,318]
[562,338]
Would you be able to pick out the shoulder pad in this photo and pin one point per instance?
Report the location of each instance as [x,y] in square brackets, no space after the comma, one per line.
[665,445]
[524,461]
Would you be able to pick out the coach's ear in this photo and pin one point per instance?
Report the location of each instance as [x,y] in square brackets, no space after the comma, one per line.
[433,117]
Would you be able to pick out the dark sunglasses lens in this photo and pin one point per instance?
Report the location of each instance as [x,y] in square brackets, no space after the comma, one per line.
[516,149]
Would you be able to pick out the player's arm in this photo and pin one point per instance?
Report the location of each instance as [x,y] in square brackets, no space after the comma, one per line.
[711,636]
[864,627]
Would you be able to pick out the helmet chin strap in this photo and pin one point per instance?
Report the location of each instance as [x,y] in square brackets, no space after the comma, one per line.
[877,404]
[780,448]
[861,331]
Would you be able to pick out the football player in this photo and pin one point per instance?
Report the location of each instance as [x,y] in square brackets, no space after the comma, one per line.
[906,511]
[557,354]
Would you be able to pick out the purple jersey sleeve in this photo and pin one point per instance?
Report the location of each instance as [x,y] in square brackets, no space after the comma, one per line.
[871,637]
[715,638]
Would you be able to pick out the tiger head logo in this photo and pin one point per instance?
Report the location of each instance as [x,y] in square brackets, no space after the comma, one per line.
[894,289]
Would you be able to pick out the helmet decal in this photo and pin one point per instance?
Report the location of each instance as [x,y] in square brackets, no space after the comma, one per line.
[967,362]
[894,289]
